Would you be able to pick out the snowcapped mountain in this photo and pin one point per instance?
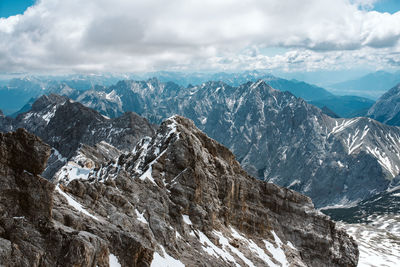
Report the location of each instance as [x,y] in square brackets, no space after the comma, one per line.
[387,108]
[298,88]
[65,125]
[179,198]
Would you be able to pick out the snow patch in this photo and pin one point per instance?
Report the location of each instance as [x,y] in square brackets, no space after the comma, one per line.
[215,251]
[295,182]
[225,244]
[340,164]
[186,219]
[113,261]
[383,160]
[165,261]
[73,203]
[72,171]
[141,217]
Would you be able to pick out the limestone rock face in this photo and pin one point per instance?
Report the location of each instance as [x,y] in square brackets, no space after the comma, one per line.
[194,202]
[29,233]
[23,151]
[179,197]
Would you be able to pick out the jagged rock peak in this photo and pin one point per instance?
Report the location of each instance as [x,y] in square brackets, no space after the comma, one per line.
[23,151]
[201,185]
[46,100]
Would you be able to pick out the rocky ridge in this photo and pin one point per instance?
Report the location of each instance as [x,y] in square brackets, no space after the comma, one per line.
[179,197]
[65,125]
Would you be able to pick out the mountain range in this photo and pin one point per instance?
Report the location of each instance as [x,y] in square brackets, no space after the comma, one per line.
[15,94]
[275,136]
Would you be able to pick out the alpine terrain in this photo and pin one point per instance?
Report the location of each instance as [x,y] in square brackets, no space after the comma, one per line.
[276,136]
[179,198]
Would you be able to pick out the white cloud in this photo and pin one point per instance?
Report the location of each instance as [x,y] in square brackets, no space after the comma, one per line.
[124,35]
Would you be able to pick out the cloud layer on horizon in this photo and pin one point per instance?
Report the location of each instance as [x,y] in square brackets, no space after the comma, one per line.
[125,36]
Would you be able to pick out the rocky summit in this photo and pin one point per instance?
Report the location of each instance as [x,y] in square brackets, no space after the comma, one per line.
[179,198]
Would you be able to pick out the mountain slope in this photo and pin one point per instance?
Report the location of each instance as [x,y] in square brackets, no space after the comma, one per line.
[372,85]
[179,199]
[374,223]
[282,139]
[387,108]
[194,202]
[345,106]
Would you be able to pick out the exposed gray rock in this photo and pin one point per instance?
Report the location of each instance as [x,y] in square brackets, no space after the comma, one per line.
[387,108]
[278,137]
[191,194]
[30,234]
[179,196]
[65,125]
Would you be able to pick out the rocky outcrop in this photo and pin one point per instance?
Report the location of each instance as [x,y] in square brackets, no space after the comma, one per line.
[179,197]
[30,234]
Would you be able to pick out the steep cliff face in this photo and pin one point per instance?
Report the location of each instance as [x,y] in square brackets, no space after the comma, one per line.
[179,198]
[194,203]
[30,234]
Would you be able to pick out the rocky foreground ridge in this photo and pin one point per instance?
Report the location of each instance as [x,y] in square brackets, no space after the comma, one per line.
[179,198]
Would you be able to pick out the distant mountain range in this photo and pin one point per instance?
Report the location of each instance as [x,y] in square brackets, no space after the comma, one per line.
[372,85]
[110,140]
[17,92]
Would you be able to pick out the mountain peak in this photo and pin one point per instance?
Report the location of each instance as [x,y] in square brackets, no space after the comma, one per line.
[46,100]
[209,196]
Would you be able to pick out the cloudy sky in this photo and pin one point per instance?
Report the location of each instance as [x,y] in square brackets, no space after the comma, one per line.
[59,36]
